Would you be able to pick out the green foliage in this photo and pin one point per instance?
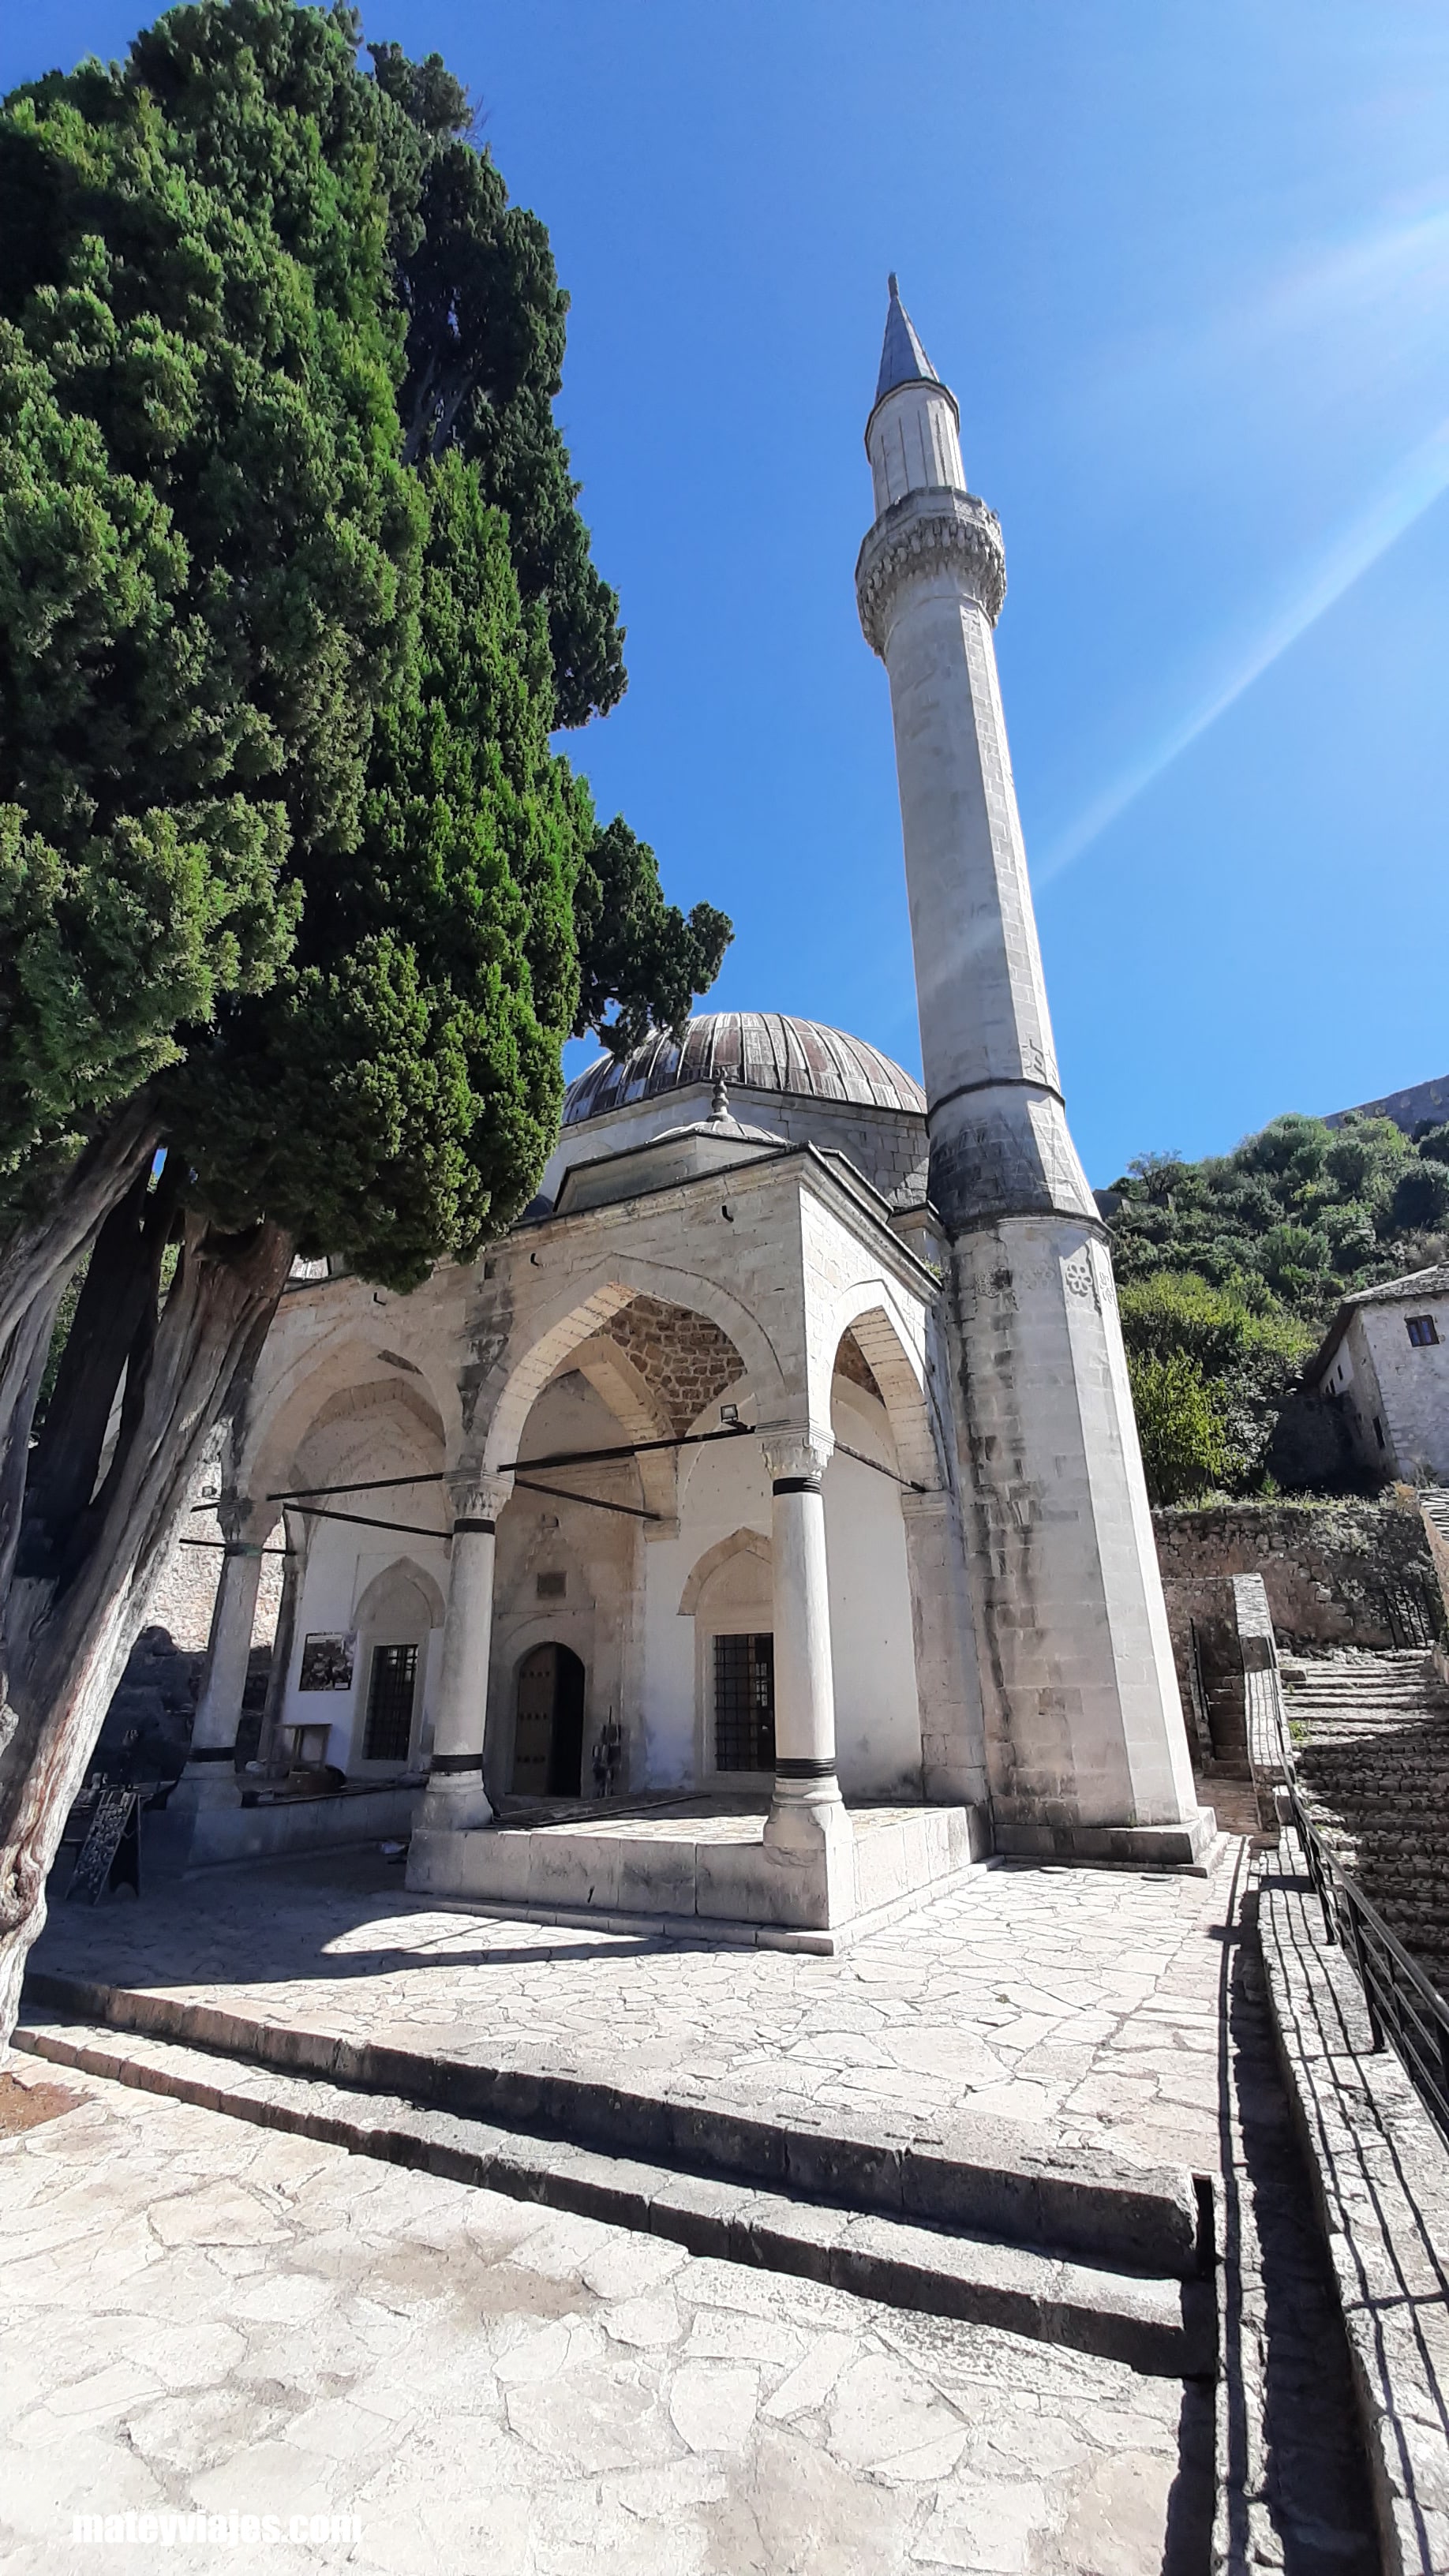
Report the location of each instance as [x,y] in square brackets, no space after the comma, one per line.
[293,590]
[1421,1197]
[1180,1425]
[1245,1349]
[207,540]
[485,346]
[397,1091]
[1304,1212]
[651,955]
[1236,1265]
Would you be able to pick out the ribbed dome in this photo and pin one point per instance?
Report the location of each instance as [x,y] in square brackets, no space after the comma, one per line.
[759,1050]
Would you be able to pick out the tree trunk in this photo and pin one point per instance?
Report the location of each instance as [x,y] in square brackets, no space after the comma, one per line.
[37,1260]
[22,1367]
[43,1250]
[68,1643]
[117,1303]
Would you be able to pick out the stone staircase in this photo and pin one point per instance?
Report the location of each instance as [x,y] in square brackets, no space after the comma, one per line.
[969,2220]
[1371,1739]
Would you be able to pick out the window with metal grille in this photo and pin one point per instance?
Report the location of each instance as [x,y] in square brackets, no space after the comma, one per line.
[1423,1331]
[744,1703]
[390,1704]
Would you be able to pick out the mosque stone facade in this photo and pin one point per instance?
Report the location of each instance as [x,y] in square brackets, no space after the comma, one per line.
[776,1473]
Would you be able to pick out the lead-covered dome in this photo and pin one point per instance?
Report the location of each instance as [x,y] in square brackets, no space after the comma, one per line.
[759,1051]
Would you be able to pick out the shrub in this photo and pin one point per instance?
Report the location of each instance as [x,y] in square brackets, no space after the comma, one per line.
[1180,1424]
[1421,1197]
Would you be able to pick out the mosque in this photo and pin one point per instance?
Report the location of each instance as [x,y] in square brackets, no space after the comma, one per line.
[755,1536]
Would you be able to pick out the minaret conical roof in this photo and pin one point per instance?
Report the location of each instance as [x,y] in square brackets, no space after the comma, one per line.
[903,361]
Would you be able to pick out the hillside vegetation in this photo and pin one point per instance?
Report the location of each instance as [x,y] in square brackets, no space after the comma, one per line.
[1230,1270]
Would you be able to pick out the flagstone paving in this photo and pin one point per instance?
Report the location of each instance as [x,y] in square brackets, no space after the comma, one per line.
[1083,2001]
[204,2316]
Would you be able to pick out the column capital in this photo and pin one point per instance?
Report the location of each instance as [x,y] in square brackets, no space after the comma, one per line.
[476,1499]
[796,1454]
[247,1520]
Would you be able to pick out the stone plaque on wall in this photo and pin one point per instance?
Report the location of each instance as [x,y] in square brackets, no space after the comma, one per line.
[326,1663]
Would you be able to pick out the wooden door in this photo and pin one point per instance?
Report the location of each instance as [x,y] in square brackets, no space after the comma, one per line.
[533,1732]
[566,1755]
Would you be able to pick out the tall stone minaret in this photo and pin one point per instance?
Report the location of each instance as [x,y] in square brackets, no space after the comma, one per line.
[1086,1745]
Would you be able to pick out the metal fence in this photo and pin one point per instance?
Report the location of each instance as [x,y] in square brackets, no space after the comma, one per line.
[1412,1610]
[1404,2009]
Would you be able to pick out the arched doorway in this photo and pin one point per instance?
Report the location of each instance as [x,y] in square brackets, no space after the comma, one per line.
[548,1737]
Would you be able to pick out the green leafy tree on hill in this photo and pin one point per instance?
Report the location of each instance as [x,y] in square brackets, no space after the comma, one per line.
[1311,1210]
[1236,1264]
[1211,1369]
[297,903]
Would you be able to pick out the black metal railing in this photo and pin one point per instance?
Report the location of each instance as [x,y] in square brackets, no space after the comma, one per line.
[1405,2010]
[1412,1610]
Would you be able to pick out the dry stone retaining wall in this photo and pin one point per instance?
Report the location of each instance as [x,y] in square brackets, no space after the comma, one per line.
[1330,1569]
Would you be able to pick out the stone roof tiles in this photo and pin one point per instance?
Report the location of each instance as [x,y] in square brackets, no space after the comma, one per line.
[1433,1282]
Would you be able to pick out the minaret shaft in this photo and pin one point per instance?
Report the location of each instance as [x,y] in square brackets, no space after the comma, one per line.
[1088,1749]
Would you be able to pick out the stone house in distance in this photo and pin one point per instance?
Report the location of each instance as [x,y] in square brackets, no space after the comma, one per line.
[1385,1363]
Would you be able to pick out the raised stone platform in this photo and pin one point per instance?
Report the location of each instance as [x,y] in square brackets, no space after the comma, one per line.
[182,1837]
[705,1863]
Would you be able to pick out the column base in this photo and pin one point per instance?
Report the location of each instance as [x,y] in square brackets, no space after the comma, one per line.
[454,1803]
[805,1813]
[1180,1846]
[808,1836]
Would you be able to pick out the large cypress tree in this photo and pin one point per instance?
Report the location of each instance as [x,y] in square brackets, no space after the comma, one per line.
[297,903]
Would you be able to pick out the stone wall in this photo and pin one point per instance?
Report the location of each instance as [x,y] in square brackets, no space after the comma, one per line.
[1332,1571]
[184,1592]
[1412,1382]
[683,1358]
[887,1145]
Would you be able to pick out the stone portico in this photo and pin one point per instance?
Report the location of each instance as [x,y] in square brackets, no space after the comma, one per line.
[571,1493]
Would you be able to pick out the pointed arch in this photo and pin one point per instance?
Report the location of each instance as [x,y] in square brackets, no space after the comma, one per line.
[640,1416]
[577,1314]
[330,1381]
[888,1346]
[741,1542]
[403,1570]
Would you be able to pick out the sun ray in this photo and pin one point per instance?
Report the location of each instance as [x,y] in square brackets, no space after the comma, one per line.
[1418,483]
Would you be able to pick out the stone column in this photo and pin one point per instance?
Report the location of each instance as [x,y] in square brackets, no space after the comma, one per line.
[455,1798]
[806,1809]
[294,1572]
[209,1779]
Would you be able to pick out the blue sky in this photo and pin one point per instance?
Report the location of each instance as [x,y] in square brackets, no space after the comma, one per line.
[1188,273]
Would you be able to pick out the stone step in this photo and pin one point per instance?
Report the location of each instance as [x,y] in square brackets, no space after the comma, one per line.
[1362,1696]
[1432,1701]
[984,2176]
[1164,2327]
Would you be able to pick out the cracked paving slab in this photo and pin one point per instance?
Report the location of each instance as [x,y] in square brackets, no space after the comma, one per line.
[1084,2001]
[201,2316]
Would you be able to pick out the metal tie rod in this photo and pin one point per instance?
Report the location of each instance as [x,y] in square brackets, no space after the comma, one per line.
[513,1466]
